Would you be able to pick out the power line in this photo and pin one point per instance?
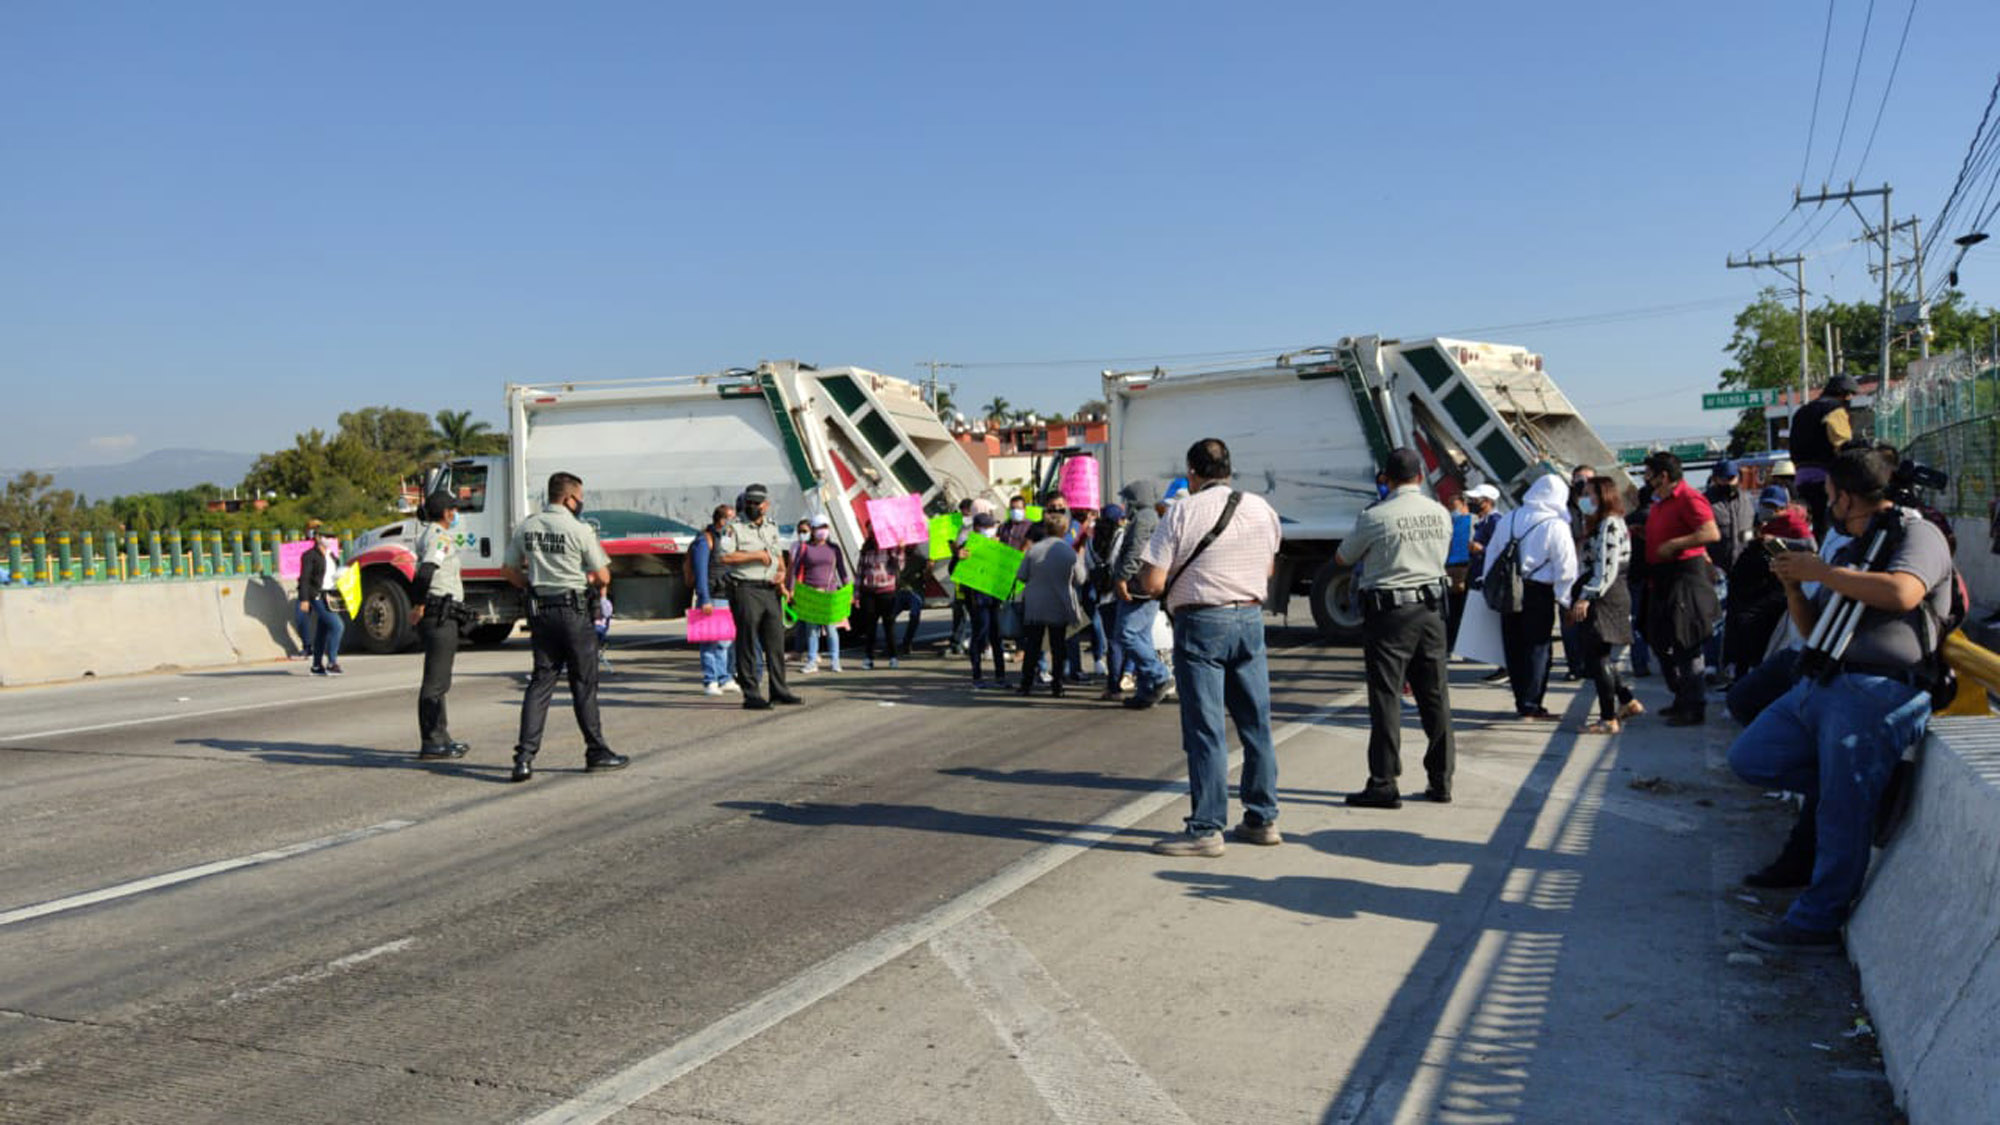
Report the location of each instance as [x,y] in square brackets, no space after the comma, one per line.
[1939,231]
[1886,88]
[1812,126]
[1853,82]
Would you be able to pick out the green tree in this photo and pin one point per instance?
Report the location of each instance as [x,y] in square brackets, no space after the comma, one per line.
[457,435]
[1764,347]
[998,410]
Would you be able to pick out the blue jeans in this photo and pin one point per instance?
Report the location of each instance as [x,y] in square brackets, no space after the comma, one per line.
[715,655]
[1836,742]
[1220,667]
[832,643]
[1135,636]
[328,625]
[1075,646]
[1114,641]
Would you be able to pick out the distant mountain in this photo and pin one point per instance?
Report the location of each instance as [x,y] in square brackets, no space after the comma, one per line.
[162,470]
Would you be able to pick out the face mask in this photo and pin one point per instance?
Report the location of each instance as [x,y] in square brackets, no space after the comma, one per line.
[820,534]
[990,532]
[1587,505]
[1017,513]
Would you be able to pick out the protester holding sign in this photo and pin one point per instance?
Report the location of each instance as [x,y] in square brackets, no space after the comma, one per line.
[982,608]
[821,566]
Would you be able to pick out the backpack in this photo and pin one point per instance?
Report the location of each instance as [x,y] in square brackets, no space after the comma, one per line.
[1504,585]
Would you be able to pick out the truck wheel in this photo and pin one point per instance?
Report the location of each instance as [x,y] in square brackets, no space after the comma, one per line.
[486,636]
[385,615]
[1335,610]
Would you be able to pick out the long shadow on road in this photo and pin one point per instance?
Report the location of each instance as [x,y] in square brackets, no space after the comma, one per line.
[927,818]
[350,757]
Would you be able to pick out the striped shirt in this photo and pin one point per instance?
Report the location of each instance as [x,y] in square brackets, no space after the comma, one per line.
[1234,568]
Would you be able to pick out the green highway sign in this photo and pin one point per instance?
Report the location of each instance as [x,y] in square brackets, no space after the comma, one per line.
[1739,400]
[1632,455]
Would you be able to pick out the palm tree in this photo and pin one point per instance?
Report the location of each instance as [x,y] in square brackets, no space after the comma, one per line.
[458,435]
[998,410]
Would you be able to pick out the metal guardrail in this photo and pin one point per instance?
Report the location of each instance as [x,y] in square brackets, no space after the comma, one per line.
[1978,672]
[80,558]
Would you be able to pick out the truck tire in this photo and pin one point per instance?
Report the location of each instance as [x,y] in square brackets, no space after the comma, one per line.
[384,620]
[1334,609]
[486,636]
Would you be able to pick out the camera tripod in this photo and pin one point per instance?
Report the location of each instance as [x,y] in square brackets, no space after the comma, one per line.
[1834,631]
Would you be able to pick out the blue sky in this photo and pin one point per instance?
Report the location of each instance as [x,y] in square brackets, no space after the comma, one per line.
[226,223]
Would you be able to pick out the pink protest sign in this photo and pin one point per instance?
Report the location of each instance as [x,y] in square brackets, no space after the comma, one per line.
[710,626]
[899,520]
[289,555]
[1079,482]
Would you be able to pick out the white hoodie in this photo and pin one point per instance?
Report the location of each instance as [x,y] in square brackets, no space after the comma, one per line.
[1548,549]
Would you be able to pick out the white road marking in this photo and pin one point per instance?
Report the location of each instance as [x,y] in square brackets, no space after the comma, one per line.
[648,1075]
[264,706]
[187,874]
[1083,1075]
[332,968]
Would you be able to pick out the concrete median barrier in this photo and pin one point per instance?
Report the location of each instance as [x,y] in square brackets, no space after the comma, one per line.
[1926,935]
[54,633]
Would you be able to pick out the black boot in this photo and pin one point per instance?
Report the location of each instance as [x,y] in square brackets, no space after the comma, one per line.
[524,766]
[1794,865]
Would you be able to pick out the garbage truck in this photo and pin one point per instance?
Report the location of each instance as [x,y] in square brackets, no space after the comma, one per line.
[1309,429]
[657,456]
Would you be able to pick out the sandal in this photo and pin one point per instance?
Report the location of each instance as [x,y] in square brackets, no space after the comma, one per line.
[1602,726]
[1630,709]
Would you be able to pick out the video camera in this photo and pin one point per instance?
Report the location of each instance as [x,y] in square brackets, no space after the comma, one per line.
[1911,476]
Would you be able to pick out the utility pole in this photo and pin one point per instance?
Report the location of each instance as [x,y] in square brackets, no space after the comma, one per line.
[936,365]
[1916,260]
[1888,252]
[1798,277]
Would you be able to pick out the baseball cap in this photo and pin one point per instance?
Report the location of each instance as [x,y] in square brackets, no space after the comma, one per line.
[1404,464]
[1843,385]
[755,493]
[1785,468]
[821,521]
[1773,496]
[1725,468]
[1113,512]
[1485,492]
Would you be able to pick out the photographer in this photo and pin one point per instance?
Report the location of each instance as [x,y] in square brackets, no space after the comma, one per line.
[1838,733]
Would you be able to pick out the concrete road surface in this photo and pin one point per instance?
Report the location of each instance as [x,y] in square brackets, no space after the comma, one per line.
[236,896]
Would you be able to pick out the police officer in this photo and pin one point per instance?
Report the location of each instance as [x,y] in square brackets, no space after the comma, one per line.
[1400,543]
[438,615]
[753,560]
[556,557]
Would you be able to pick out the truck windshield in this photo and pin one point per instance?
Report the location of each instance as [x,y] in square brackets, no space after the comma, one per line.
[469,482]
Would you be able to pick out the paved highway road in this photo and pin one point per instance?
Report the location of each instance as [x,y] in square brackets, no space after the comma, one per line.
[236,896]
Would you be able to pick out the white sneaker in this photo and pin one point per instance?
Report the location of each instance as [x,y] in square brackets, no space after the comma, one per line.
[1128,683]
[836,666]
[711,688]
[808,668]
[892,662]
[730,685]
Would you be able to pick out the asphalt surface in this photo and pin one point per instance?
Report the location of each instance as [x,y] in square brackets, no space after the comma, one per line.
[900,902]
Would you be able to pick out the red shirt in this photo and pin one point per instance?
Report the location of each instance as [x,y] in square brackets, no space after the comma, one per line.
[1676,514]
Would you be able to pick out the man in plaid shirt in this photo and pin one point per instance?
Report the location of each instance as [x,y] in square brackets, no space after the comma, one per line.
[1216,597]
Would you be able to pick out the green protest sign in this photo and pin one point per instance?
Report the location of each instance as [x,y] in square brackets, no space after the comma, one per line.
[822,607]
[1034,513]
[989,567]
[944,532]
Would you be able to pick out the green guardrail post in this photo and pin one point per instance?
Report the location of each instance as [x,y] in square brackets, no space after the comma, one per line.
[14,559]
[114,563]
[66,559]
[86,558]
[218,563]
[177,561]
[197,555]
[41,548]
[257,552]
[156,559]
[132,571]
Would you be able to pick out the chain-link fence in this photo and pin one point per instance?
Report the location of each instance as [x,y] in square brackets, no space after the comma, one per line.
[1949,418]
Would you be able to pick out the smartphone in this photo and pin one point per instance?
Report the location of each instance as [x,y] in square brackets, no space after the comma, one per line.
[1776,547]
